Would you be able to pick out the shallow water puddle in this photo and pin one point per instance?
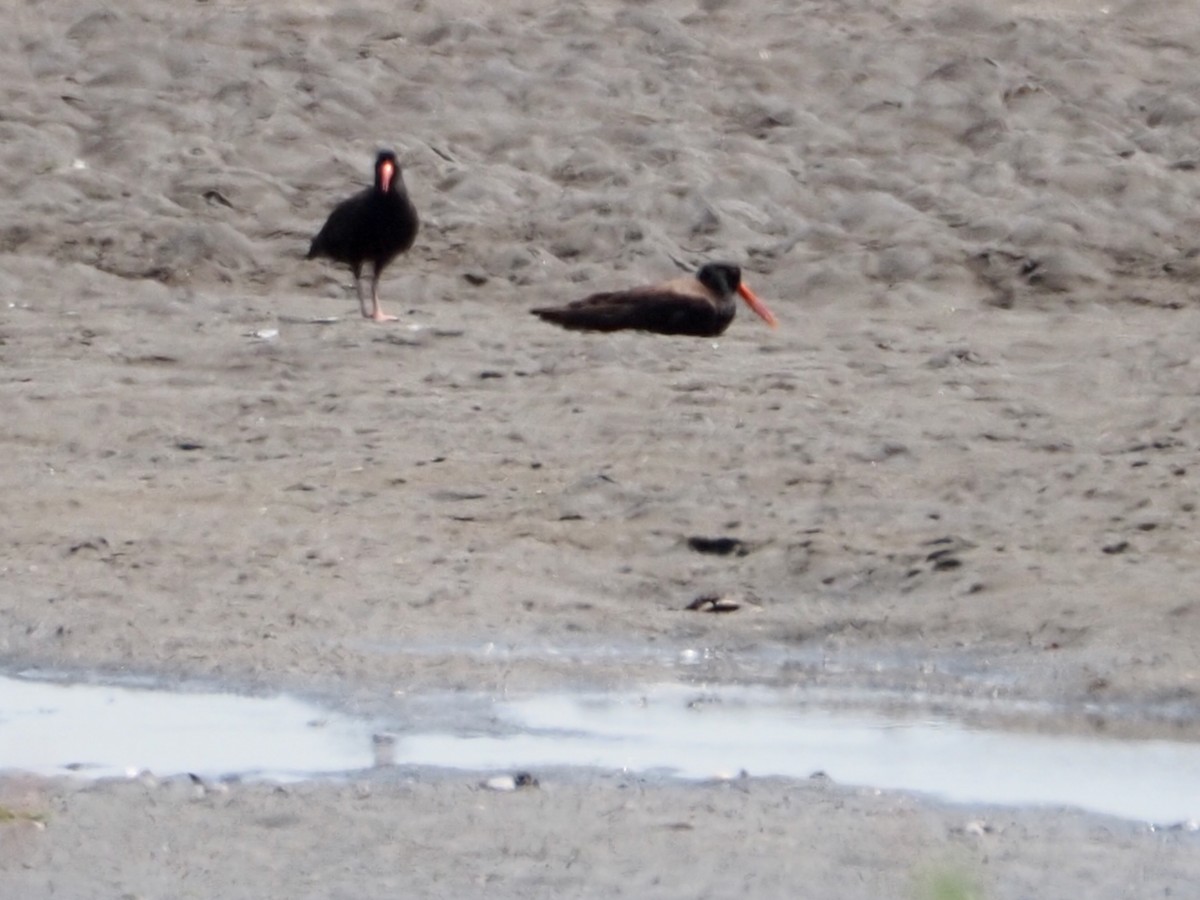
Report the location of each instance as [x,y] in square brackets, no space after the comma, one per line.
[695,734]
[102,731]
[96,731]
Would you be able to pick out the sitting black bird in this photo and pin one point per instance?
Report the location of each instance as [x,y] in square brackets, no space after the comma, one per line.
[701,306]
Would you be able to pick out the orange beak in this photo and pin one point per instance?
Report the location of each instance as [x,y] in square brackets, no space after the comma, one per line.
[758,306]
[386,173]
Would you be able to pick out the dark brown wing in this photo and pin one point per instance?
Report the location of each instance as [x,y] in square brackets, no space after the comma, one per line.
[678,307]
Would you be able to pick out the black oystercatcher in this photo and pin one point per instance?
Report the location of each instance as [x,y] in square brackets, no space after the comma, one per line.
[702,306]
[373,227]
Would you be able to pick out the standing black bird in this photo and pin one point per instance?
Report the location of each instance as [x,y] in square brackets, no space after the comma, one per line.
[701,306]
[373,227]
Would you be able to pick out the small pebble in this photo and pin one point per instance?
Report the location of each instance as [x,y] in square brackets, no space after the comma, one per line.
[510,782]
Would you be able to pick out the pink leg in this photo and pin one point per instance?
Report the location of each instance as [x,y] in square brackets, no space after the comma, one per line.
[376,312]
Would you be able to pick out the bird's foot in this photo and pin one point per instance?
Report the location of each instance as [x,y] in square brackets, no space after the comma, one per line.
[380,316]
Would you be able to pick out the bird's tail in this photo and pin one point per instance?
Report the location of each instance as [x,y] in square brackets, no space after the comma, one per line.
[552,314]
[576,319]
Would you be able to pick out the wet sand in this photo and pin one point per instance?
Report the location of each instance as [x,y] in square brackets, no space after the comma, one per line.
[961,472]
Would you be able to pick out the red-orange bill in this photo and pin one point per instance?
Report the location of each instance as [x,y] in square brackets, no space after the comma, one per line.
[387,172]
[758,306]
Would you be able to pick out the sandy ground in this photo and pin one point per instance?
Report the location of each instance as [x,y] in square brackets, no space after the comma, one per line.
[964,468]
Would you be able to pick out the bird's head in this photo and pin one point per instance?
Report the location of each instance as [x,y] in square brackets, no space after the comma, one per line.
[720,278]
[724,279]
[387,170]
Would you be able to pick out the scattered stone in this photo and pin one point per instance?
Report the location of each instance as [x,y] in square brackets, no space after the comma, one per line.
[513,782]
[714,603]
[977,828]
[949,544]
[731,776]
[199,787]
[718,546]
[99,545]
[216,198]
[953,357]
